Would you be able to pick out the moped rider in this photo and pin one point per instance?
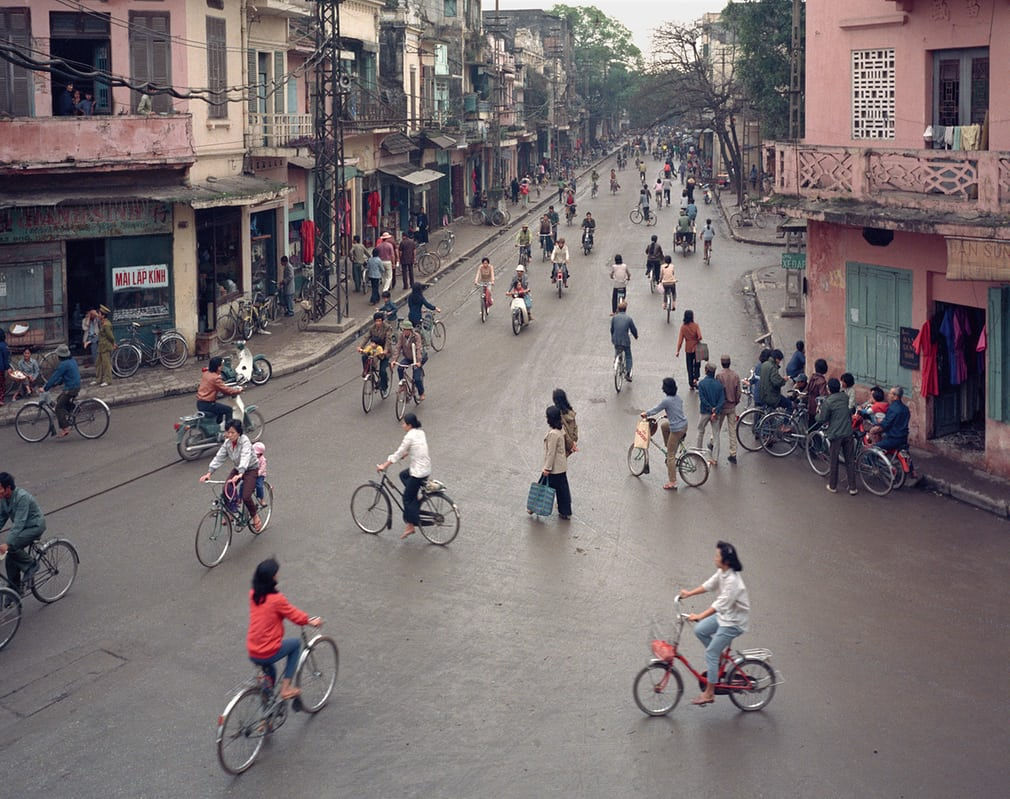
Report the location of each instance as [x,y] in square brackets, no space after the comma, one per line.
[520,288]
[211,387]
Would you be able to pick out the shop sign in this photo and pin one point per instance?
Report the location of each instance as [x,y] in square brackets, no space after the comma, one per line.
[908,358]
[139,277]
[97,220]
[978,259]
[794,260]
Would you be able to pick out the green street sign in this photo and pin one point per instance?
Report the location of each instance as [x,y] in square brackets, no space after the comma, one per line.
[794,260]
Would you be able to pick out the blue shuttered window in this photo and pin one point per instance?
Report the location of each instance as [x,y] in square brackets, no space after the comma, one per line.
[998,351]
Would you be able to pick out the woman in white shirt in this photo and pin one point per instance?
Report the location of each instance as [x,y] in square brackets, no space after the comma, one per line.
[727,617]
[414,446]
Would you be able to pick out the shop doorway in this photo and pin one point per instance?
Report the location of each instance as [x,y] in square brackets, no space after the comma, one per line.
[959,408]
[86,287]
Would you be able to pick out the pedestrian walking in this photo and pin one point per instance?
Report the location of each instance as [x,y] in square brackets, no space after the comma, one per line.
[834,412]
[673,428]
[689,338]
[373,269]
[619,277]
[571,427]
[711,398]
[359,256]
[408,252]
[422,227]
[731,387]
[387,254]
[555,467]
[288,284]
[106,344]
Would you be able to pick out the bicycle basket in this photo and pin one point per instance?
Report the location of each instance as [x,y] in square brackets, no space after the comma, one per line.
[662,649]
[231,497]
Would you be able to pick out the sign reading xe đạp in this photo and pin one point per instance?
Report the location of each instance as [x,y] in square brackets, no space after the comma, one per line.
[139,277]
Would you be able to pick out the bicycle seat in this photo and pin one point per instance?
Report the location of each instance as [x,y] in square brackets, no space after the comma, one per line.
[193,417]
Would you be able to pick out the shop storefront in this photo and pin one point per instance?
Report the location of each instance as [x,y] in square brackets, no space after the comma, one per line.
[219,260]
[58,261]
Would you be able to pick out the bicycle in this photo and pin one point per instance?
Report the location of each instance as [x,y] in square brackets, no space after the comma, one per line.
[445,245]
[594,191]
[268,304]
[372,383]
[546,246]
[55,568]
[748,216]
[10,615]
[36,420]
[170,350]
[428,262]
[747,676]
[406,389]
[707,244]
[372,509]
[756,427]
[213,533]
[692,465]
[485,300]
[257,709]
[432,331]
[636,216]
[524,254]
[620,370]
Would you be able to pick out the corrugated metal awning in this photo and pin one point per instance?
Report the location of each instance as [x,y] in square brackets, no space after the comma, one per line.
[440,141]
[408,173]
[397,143]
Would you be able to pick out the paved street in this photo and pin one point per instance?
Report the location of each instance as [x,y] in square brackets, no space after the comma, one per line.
[502,665]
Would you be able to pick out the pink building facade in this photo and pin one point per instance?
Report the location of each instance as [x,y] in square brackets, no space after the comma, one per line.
[904,179]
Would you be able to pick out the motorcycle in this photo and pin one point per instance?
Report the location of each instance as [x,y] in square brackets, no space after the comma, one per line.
[587,242]
[517,311]
[255,369]
[200,432]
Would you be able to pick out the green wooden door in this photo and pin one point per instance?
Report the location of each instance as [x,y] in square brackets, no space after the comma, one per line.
[878,303]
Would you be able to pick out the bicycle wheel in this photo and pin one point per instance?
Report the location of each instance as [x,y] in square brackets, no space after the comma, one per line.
[444,247]
[897,473]
[638,459]
[749,427]
[635,216]
[213,537]
[439,518]
[779,436]
[303,319]
[264,508]
[438,335]
[57,568]
[428,263]
[10,615]
[262,371]
[227,328]
[402,395]
[371,509]
[759,220]
[91,418]
[875,471]
[817,452]
[736,220]
[692,468]
[657,689]
[477,218]
[483,307]
[48,364]
[254,425]
[126,360]
[248,324]
[367,393]
[172,350]
[33,422]
[317,673]
[241,730]
[753,684]
[501,217]
[619,372]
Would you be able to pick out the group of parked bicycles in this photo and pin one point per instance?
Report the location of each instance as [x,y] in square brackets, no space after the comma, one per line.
[244,318]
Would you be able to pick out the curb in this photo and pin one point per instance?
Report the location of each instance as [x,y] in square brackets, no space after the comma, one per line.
[743,239]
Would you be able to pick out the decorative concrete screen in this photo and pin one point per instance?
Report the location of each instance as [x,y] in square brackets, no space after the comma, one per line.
[873,94]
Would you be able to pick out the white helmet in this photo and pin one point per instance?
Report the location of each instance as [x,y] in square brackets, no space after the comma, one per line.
[520,268]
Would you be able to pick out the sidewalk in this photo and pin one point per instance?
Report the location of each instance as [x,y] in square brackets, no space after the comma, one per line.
[940,474]
[766,237]
[290,350]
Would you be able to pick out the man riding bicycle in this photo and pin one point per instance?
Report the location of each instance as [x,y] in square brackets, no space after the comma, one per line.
[588,229]
[707,235]
[560,257]
[570,207]
[524,241]
[69,375]
[27,525]
[376,345]
[552,215]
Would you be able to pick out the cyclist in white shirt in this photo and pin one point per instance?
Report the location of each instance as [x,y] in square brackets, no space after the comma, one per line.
[707,234]
[414,446]
[727,618]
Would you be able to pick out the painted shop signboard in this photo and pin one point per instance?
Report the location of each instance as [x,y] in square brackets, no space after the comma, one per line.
[97,220]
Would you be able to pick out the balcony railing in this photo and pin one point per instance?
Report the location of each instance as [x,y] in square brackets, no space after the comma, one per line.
[58,144]
[367,109]
[952,180]
[279,130]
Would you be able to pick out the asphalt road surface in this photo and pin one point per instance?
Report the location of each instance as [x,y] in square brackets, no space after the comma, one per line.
[502,665]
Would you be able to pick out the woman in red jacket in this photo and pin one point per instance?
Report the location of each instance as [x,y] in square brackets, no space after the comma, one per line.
[265,641]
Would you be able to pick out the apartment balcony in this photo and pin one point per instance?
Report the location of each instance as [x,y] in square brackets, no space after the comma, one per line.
[372,109]
[273,131]
[55,145]
[923,190]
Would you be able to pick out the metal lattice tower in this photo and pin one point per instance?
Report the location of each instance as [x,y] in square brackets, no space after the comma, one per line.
[796,59]
[331,86]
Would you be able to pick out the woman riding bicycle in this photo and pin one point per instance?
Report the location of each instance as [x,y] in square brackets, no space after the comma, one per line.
[238,449]
[416,302]
[673,428]
[725,619]
[414,445]
[265,640]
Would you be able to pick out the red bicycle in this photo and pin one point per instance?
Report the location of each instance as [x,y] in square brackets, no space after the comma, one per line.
[746,676]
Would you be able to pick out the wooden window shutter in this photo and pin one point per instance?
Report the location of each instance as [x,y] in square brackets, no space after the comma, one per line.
[161,61]
[217,67]
[278,85]
[997,352]
[15,81]
[253,80]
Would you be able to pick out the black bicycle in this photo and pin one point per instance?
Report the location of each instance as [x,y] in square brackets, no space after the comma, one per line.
[372,509]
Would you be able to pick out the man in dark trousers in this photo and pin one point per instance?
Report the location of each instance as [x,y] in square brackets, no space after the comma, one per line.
[622,328]
[27,525]
[408,252]
[834,412]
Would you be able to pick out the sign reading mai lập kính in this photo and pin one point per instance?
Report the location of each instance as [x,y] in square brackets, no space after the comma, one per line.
[139,277]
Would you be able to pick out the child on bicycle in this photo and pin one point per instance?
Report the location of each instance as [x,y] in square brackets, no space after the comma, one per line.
[259,450]
[389,308]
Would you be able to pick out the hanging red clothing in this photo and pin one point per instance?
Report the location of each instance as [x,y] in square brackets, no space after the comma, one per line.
[374,206]
[347,217]
[926,348]
[308,241]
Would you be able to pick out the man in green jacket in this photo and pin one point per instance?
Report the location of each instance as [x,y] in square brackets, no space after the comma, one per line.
[772,382]
[834,411]
[27,525]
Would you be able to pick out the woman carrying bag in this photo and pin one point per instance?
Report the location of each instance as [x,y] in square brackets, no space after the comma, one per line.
[555,468]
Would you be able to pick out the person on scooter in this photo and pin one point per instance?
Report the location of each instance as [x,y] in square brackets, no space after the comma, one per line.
[211,387]
[895,422]
[376,344]
[560,256]
[520,288]
[588,229]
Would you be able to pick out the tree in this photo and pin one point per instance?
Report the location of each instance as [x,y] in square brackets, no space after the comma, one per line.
[763,30]
[607,62]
